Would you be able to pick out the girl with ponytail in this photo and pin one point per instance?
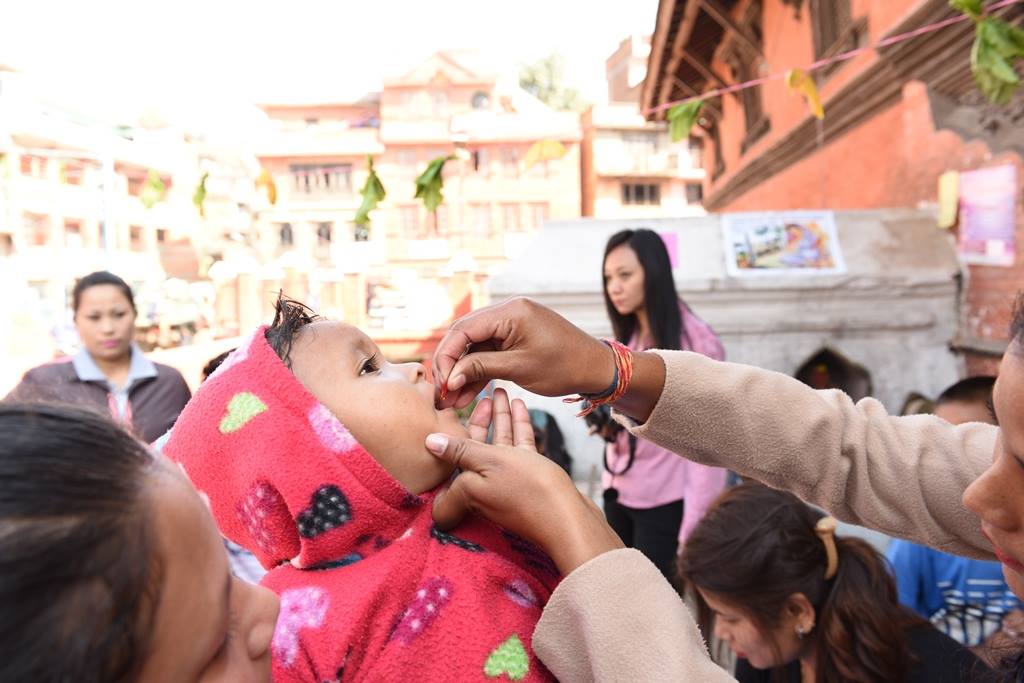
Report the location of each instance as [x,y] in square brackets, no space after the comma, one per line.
[798,604]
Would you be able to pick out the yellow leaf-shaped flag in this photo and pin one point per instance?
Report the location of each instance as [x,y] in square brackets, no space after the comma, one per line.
[544,150]
[949,198]
[266,182]
[801,82]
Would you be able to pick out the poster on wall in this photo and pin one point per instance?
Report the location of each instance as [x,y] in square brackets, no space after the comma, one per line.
[782,242]
[988,207]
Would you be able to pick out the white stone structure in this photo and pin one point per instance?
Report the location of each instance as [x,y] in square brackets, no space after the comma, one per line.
[894,312]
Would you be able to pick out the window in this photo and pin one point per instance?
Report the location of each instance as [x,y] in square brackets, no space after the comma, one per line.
[538,213]
[135,241]
[831,27]
[481,217]
[6,245]
[361,233]
[641,143]
[481,100]
[481,161]
[37,228]
[696,149]
[410,221]
[72,172]
[323,233]
[286,235]
[407,161]
[441,226]
[439,100]
[322,178]
[510,162]
[641,193]
[694,193]
[510,217]
[312,121]
[73,234]
[33,166]
[161,235]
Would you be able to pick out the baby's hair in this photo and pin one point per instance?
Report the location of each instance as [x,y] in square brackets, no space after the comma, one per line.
[289,317]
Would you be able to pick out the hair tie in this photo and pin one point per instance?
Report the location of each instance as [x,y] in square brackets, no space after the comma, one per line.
[826,531]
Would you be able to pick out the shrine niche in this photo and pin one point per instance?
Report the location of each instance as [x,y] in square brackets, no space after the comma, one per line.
[828,369]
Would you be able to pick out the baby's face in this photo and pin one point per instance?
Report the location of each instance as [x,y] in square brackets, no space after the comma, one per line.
[388,408]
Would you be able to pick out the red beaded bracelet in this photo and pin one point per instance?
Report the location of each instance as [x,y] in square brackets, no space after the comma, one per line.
[620,382]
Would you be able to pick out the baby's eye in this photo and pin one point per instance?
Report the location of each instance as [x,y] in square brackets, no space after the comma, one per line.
[369,365]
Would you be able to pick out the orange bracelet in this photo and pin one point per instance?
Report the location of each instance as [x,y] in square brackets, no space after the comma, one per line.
[620,382]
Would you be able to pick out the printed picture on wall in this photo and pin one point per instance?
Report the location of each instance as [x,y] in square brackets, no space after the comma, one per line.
[781,243]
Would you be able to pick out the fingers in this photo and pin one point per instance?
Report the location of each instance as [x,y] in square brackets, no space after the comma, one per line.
[452,504]
[472,328]
[482,366]
[480,421]
[464,454]
[522,426]
[501,419]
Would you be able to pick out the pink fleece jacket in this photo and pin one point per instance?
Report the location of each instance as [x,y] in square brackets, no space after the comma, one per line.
[370,590]
[659,476]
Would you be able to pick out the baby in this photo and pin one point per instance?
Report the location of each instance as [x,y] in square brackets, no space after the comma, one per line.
[310,448]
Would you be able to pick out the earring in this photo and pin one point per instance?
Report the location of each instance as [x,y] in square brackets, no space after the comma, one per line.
[800,632]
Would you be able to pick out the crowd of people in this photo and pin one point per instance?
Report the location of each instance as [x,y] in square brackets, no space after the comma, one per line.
[316,513]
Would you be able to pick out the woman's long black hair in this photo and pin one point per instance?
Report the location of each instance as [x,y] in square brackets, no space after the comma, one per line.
[660,298]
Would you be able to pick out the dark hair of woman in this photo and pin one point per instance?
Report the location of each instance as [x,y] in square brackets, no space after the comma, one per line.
[660,297]
[756,547]
[290,316]
[100,277]
[79,577]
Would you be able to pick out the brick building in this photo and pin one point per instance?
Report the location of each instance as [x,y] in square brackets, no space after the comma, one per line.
[630,168]
[895,118]
[406,276]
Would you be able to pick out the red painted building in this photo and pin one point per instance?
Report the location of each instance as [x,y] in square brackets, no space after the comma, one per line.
[896,118]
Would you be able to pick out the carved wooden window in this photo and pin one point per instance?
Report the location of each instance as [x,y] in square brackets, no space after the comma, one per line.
[744,65]
[831,27]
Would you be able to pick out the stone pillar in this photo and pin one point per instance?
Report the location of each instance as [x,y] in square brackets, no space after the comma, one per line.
[250,302]
[353,298]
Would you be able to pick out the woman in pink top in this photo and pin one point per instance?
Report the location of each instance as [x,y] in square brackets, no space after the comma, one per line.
[653,497]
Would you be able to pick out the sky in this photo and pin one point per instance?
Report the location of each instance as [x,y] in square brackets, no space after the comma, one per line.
[207,54]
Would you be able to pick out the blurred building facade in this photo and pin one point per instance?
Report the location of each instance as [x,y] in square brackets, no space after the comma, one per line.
[406,275]
[629,167]
[896,118]
[81,192]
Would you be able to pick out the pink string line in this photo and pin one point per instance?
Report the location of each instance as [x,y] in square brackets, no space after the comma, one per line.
[822,63]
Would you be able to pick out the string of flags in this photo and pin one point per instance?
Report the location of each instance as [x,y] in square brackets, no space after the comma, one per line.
[997,47]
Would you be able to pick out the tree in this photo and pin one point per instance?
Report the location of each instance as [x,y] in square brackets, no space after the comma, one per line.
[544,80]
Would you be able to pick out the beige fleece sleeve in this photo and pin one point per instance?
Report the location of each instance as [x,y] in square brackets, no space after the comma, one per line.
[904,476]
[616,618]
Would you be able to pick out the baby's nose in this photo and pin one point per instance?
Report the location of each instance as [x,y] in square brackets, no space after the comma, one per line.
[416,372]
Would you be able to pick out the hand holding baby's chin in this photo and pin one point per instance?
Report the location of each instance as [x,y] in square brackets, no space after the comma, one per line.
[514,486]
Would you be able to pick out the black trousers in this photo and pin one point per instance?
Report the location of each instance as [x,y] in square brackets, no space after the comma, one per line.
[654,532]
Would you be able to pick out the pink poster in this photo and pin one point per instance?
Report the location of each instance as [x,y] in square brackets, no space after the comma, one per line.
[671,240]
[988,210]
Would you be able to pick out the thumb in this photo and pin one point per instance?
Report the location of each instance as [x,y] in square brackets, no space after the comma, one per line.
[463,454]
[482,366]
[452,504]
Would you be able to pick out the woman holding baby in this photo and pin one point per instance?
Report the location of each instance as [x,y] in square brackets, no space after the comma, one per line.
[148,568]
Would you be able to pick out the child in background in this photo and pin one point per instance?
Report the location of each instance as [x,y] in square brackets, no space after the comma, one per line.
[966,599]
[311,451]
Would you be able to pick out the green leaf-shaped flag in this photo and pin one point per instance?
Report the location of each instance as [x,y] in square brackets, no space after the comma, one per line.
[681,119]
[431,182]
[373,193]
[997,46]
[971,8]
[153,191]
[199,196]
